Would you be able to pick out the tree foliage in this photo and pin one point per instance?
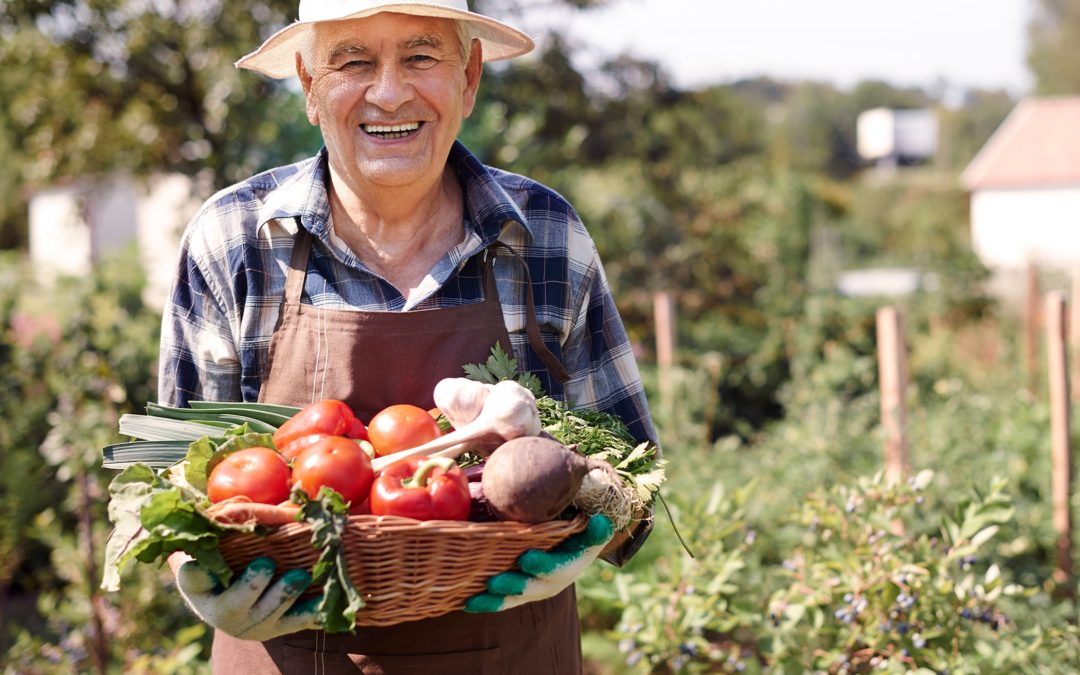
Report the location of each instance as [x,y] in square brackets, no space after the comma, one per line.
[145,86]
[1054,47]
[95,86]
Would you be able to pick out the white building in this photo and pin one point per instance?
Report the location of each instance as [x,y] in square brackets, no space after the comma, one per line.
[73,226]
[889,136]
[1025,188]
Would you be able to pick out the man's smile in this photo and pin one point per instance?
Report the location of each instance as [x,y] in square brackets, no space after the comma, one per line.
[391,130]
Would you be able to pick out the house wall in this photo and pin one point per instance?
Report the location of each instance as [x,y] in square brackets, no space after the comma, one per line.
[113,216]
[71,226]
[1009,228]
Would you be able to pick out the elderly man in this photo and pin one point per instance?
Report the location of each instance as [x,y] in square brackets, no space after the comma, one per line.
[368,273]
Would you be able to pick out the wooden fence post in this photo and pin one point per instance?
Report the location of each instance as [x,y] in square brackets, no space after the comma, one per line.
[664,319]
[1074,337]
[714,368]
[892,379]
[1061,452]
[1031,326]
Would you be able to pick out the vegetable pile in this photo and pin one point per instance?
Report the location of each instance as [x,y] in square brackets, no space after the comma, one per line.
[195,475]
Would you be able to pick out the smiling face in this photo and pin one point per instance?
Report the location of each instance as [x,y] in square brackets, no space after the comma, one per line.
[389,93]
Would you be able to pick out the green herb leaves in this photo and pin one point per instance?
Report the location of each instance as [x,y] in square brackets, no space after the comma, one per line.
[501,366]
[328,516]
[154,517]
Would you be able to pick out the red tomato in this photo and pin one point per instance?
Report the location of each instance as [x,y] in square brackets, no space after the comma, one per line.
[356,430]
[294,447]
[260,474]
[337,463]
[400,427]
[330,417]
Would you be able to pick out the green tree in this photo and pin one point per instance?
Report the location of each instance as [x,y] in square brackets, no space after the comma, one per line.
[1054,47]
[92,87]
[966,128]
[145,86]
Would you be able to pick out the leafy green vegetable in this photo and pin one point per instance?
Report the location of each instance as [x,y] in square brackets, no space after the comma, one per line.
[197,462]
[268,412]
[603,436]
[154,517]
[175,524]
[128,491]
[328,516]
[265,422]
[154,454]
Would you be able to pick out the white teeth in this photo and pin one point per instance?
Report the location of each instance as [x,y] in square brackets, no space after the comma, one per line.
[391,129]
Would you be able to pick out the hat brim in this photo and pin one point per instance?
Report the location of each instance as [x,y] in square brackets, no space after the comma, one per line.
[277,56]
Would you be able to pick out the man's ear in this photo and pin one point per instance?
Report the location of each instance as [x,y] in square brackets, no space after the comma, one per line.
[473,69]
[305,82]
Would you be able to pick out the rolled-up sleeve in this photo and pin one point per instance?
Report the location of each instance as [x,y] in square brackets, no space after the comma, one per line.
[198,359]
[603,370]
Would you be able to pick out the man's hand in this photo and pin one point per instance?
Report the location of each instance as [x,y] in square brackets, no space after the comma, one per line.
[544,573]
[252,608]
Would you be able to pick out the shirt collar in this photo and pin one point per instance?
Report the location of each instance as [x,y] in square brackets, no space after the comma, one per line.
[302,194]
[487,204]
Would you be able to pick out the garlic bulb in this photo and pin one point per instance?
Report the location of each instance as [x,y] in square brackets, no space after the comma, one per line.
[509,411]
[461,399]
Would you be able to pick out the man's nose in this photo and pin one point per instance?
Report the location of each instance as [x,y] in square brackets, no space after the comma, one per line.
[390,88]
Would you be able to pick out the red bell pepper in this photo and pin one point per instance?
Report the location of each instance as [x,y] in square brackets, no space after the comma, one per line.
[423,488]
[322,418]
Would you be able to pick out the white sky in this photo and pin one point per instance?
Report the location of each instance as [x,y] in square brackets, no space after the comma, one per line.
[966,43]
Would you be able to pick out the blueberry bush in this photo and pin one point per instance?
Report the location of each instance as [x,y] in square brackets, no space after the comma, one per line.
[806,560]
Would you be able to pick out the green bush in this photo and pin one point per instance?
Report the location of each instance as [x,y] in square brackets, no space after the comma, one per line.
[80,353]
[812,572]
[879,577]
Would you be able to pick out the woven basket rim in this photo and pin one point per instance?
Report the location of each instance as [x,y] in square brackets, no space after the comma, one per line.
[399,523]
[449,560]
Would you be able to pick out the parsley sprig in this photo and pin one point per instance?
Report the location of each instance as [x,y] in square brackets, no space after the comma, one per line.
[328,515]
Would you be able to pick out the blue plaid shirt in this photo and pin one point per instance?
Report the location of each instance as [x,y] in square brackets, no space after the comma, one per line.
[230,281]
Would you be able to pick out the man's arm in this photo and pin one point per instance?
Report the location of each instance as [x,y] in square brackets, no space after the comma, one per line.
[604,376]
[198,357]
[603,371]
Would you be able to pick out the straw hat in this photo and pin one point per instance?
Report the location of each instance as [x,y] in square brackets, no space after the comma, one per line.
[277,56]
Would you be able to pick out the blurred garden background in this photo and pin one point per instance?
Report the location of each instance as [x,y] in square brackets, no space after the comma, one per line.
[748,205]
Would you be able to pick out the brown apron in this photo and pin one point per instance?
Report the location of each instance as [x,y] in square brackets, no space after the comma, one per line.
[371,360]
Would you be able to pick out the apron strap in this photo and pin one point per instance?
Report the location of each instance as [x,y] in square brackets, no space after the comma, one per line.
[294,279]
[532,326]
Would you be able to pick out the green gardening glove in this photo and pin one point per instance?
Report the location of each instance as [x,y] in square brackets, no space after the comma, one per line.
[545,573]
[251,608]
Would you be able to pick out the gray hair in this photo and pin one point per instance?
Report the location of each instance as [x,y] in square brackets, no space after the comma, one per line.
[462,29]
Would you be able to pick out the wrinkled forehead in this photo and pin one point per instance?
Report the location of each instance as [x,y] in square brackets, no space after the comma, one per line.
[386,29]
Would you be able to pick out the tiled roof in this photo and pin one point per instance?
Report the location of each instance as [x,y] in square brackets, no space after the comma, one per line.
[1037,145]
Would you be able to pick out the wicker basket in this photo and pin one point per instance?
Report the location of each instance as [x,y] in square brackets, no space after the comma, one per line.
[406,569]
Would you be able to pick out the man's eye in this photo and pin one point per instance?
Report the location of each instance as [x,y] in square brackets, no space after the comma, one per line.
[421,60]
[357,64]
